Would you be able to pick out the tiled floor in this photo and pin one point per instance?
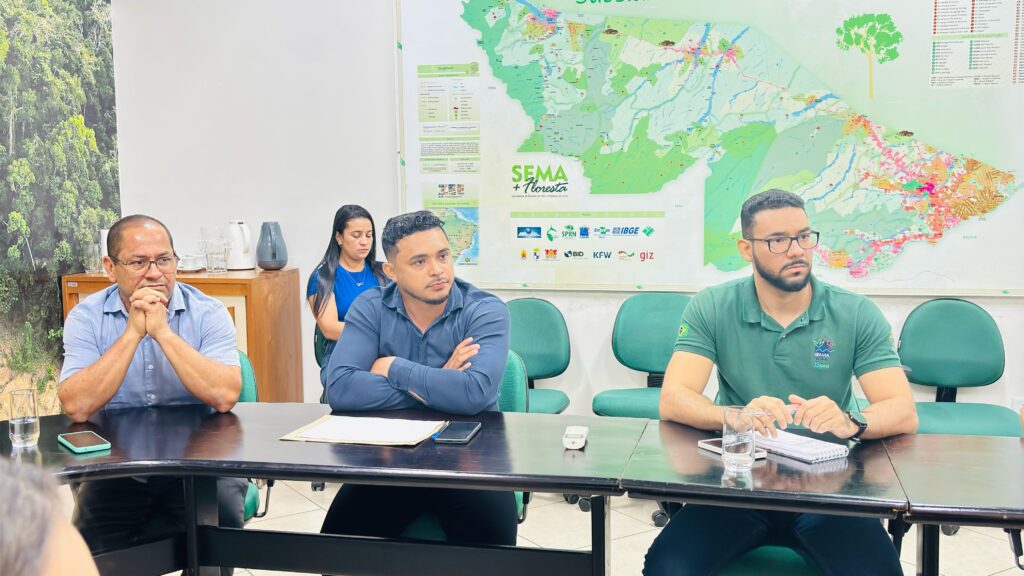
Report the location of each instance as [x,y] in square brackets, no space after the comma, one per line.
[552,523]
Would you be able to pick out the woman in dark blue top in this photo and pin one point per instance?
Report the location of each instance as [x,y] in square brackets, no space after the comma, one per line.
[349,268]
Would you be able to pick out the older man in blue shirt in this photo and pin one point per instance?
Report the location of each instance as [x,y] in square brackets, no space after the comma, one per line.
[146,341]
[426,340]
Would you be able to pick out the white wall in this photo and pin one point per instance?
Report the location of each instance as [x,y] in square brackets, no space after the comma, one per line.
[277,110]
[260,110]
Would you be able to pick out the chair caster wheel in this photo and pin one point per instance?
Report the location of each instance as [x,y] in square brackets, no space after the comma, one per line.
[584,504]
[317,486]
[571,498]
[660,518]
[950,529]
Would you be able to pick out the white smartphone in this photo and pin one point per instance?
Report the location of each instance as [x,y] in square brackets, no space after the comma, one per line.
[715,445]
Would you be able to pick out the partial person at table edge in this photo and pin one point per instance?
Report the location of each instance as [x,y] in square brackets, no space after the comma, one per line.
[146,341]
[427,340]
[37,539]
[785,344]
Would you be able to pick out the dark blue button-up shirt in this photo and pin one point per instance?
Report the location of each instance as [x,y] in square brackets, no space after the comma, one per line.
[377,326]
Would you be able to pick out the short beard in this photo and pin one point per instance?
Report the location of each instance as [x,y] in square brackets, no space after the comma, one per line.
[431,302]
[777,281]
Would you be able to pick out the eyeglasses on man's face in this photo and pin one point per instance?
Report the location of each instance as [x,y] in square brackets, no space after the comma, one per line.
[163,263]
[782,244]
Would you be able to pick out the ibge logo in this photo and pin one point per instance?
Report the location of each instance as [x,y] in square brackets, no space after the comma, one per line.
[539,181]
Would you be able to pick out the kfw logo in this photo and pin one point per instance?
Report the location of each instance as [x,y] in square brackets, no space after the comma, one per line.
[602,255]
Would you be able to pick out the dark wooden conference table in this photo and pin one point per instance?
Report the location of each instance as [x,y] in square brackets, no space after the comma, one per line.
[922,478]
[512,451]
[962,480]
[668,465]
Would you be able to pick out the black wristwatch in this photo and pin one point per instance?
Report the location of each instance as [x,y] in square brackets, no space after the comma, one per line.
[862,426]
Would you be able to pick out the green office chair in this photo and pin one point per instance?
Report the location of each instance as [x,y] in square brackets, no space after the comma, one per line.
[512,397]
[769,561]
[539,336]
[250,394]
[643,339]
[950,343]
[319,351]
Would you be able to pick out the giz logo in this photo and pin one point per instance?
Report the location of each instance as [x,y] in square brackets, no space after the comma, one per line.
[645,256]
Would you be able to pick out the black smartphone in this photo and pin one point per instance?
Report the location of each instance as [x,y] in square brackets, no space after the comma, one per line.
[457,433]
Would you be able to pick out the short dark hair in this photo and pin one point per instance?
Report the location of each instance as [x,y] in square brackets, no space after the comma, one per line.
[768,200]
[114,237]
[403,225]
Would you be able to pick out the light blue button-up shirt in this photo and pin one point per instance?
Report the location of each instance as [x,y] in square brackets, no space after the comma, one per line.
[97,322]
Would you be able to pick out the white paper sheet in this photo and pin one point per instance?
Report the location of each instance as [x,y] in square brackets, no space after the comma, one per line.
[366,430]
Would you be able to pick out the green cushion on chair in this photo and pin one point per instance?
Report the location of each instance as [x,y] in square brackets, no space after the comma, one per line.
[769,561]
[967,418]
[538,334]
[425,527]
[628,402]
[252,501]
[548,401]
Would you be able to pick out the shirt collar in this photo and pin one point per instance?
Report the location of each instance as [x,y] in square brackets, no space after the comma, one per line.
[391,297]
[752,308]
[819,295]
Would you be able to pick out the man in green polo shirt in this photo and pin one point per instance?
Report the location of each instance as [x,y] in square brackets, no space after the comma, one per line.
[786,345]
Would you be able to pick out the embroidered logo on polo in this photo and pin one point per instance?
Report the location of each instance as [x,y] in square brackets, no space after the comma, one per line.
[683,330]
[822,352]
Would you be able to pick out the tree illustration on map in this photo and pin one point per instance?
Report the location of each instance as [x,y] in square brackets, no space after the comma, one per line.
[639,102]
[873,34]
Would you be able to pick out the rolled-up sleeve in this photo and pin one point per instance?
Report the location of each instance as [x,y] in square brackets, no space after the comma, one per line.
[219,341]
[474,389]
[81,343]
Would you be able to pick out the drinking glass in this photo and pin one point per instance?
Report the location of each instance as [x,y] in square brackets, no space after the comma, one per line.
[93,259]
[738,437]
[24,422]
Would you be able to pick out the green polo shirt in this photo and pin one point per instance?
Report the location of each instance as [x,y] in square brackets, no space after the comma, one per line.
[841,334]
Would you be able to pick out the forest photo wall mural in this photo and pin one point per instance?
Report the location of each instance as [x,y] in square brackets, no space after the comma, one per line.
[58,175]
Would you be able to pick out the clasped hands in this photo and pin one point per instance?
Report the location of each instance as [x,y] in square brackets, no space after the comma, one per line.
[818,415]
[459,360]
[147,313]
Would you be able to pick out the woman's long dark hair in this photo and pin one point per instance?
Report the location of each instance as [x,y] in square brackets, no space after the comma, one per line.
[329,264]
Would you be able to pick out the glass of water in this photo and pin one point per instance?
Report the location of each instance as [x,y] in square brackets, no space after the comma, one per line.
[216,251]
[24,422]
[738,437]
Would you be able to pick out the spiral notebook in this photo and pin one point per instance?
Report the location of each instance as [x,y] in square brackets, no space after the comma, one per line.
[801,447]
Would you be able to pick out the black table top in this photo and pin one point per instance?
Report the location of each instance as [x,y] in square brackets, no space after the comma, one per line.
[511,451]
[976,480]
[668,465]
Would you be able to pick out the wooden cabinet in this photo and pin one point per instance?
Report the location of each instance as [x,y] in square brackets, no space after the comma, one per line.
[265,305]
